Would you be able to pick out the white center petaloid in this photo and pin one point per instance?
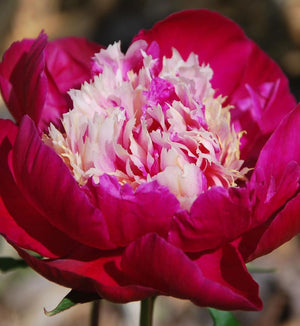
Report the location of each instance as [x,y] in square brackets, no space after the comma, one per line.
[150,121]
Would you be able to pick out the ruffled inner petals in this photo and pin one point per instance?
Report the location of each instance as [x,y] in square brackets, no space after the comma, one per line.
[141,124]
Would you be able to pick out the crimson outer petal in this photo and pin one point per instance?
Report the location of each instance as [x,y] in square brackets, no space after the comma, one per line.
[35,76]
[22,79]
[239,66]
[275,187]
[8,227]
[68,63]
[49,187]
[217,217]
[216,279]
[100,275]
[23,224]
[128,214]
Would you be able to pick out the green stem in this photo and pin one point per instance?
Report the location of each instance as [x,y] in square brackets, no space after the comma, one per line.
[147,306]
[95,312]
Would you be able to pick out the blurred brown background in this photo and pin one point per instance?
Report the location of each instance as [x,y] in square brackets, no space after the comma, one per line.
[275,26]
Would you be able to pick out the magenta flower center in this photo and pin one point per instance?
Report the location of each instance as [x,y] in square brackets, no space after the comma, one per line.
[142,120]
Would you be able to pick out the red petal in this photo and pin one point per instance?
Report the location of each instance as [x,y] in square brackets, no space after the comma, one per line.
[100,275]
[35,76]
[8,130]
[23,225]
[128,214]
[20,222]
[23,82]
[8,227]
[259,71]
[270,193]
[282,147]
[49,187]
[68,65]
[14,233]
[275,188]
[276,176]
[273,233]
[217,216]
[218,279]
[68,61]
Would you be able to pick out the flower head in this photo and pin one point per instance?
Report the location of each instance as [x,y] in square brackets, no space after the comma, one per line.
[159,171]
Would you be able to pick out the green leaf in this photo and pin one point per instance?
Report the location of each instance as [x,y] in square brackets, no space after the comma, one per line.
[71,299]
[8,264]
[223,318]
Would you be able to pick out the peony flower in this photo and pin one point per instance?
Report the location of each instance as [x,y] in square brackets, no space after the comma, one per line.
[161,171]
